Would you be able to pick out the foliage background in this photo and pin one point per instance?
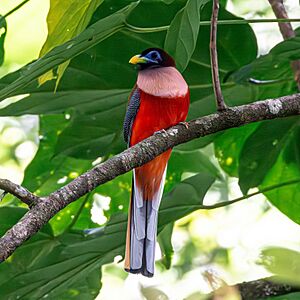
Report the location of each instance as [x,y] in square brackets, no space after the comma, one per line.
[53,137]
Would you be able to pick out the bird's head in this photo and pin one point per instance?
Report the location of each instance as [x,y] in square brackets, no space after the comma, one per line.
[152,58]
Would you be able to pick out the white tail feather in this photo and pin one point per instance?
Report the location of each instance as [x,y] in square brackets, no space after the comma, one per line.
[143,229]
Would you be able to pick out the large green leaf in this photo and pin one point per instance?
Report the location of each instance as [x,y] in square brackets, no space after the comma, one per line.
[285,263]
[261,150]
[65,20]
[41,268]
[229,145]
[182,34]
[286,169]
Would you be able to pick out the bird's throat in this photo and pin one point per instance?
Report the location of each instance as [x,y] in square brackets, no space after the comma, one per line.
[162,82]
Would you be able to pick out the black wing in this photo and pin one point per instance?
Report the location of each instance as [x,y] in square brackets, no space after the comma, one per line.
[132,109]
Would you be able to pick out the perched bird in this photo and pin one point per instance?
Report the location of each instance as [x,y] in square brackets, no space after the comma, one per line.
[159,99]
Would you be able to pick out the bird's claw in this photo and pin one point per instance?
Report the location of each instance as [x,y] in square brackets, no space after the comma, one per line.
[162,132]
[185,124]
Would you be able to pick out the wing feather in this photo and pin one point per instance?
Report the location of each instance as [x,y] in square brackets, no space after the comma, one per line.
[132,110]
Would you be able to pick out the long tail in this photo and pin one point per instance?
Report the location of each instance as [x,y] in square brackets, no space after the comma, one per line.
[143,215]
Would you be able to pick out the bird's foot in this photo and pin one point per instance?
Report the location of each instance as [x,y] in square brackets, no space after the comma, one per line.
[162,132]
[185,124]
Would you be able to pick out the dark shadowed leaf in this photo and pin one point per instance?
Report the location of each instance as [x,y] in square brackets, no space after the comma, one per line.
[261,150]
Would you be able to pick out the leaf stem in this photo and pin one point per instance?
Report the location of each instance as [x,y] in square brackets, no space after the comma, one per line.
[14,9]
[207,23]
[261,191]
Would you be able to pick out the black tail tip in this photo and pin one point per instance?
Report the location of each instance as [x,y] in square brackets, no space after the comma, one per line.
[141,270]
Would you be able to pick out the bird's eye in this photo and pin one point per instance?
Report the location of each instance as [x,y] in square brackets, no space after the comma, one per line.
[154,55]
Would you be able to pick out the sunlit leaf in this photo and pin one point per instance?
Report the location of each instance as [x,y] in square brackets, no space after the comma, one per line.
[284,263]
[65,20]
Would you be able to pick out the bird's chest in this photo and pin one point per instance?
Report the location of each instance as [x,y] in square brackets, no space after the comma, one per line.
[156,113]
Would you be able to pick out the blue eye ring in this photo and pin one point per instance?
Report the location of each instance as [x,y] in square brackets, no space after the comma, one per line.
[154,57]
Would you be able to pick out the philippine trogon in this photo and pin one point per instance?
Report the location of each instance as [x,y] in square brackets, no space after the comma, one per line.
[159,99]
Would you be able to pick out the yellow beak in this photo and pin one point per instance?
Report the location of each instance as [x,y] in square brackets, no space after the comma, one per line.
[137,59]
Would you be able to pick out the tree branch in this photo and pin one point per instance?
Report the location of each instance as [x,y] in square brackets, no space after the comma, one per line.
[18,191]
[264,288]
[214,57]
[287,32]
[45,208]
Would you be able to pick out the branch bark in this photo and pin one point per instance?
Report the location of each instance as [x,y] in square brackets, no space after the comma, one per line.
[264,288]
[214,58]
[256,289]
[18,191]
[45,208]
[287,32]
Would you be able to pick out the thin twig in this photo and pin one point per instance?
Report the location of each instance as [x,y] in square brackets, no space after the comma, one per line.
[18,191]
[214,58]
[287,32]
[14,9]
[261,191]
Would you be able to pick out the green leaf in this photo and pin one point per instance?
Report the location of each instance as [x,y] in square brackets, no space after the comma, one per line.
[228,147]
[65,20]
[41,268]
[261,149]
[94,34]
[9,216]
[186,197]
[290,296]
[284,263]
[47,173]
[164,240]
[286,198]
[192,162]
[182,34]
[86,102]
[3,30]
